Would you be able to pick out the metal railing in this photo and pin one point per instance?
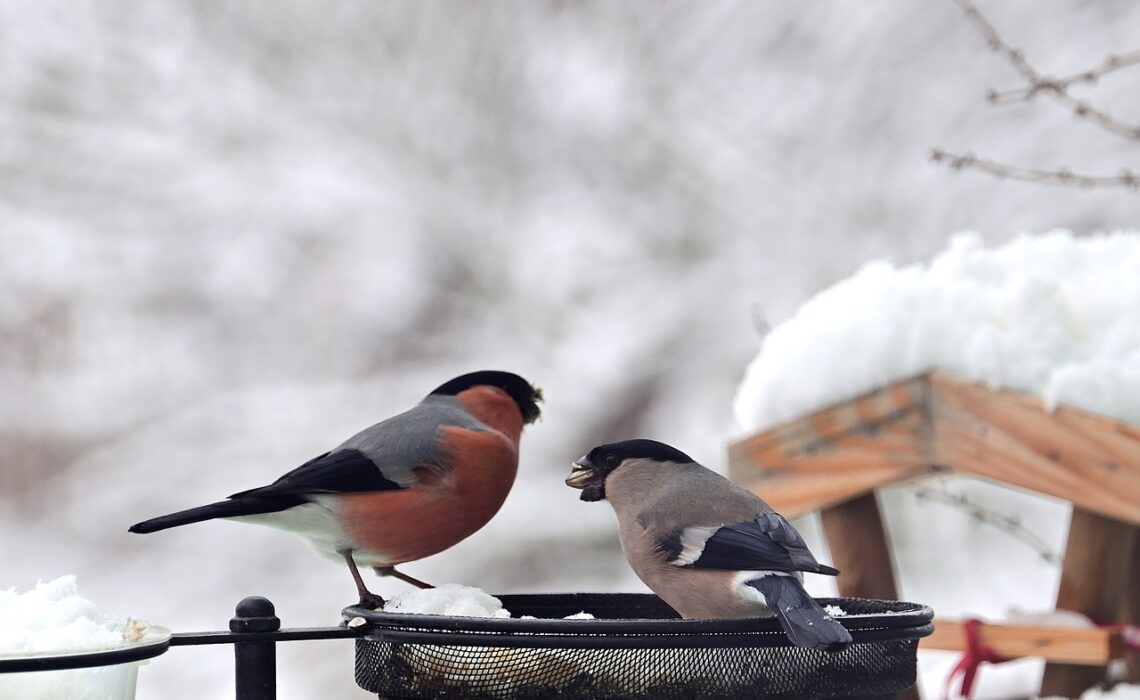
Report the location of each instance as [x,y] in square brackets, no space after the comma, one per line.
[254,632]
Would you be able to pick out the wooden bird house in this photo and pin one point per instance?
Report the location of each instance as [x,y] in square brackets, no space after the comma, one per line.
[937,423]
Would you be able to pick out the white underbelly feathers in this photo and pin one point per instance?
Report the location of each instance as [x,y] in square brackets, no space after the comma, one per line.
[317,522]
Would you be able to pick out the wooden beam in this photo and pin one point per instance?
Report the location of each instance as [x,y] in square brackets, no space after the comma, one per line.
[1094,646]
[839,453]
[1130,612]
[860,549]
[1094,578]
[1010,438]
[935,422]
[807,493]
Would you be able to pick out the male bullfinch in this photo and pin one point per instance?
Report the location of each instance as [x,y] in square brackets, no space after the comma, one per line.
[707,547]
[405,488]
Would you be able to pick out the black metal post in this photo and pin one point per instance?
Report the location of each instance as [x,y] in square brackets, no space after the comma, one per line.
[255,663]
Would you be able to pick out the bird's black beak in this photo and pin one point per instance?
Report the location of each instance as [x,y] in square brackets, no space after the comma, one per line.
[584,476]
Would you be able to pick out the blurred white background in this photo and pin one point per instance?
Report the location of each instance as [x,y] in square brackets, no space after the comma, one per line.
[232,234]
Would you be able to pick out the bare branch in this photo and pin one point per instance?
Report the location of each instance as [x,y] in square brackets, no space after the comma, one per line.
[1113,63]
[998,44]
[1010,524]
[1058,88]
[1062,176]
[1085,110]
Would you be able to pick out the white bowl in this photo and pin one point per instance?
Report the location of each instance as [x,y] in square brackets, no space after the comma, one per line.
[106,672]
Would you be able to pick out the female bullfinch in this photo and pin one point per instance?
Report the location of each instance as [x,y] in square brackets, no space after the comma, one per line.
[707,547]
[405,488]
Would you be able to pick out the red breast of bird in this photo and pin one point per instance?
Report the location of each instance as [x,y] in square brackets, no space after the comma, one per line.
[446,505]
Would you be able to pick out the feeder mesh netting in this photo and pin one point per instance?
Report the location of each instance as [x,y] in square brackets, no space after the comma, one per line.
[709,669]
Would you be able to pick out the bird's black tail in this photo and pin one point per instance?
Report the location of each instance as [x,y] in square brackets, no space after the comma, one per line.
[803,620]
[222,509]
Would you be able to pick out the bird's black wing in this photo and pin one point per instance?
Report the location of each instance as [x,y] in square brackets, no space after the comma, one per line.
[768,543]
[340,471]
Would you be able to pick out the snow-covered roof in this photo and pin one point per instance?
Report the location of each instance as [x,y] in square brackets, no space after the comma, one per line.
[1056,315]
[1036,347]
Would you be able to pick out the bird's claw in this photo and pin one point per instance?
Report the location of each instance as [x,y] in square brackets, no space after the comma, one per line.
[371,601]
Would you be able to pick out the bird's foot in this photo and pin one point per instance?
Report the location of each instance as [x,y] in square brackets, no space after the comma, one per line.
[391,571]
[368,599]
[371,601]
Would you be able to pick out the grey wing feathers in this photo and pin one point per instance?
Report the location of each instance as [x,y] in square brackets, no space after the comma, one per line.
[702,520]
[411,439]
[767,543]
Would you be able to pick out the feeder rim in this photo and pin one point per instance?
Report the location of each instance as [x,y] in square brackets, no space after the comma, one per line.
[914,622]
[154,644]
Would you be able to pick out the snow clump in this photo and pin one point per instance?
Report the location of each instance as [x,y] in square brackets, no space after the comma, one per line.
[1056,315]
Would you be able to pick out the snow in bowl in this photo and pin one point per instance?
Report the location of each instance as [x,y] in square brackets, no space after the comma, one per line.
[56,644]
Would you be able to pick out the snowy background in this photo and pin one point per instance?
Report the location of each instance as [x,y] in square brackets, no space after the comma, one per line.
[233,234]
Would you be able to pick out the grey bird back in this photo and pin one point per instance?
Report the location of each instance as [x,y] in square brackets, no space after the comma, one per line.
[696,496]
[410,439]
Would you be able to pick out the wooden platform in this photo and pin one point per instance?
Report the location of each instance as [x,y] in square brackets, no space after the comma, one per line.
[1094,646]
[937,423]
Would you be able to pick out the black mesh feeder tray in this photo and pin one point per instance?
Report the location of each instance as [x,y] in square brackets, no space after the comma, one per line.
[637,647]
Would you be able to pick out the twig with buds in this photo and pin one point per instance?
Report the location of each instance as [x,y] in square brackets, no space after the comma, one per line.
[1114,62]
[1010,524]
[1042,84]
[1062,175]
[1058,89]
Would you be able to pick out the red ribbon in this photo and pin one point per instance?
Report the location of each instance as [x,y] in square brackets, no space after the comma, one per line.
[967,666]
[1130,635]
[977,653]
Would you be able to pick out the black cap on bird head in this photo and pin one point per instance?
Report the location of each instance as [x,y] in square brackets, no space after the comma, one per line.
[525,396]
[590,472]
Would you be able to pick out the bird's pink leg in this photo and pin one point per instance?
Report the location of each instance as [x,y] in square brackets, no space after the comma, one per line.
[391,571]
[368,599]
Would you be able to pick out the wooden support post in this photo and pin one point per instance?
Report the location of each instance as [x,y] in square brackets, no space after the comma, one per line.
[1094,577]
[1130,611]
[860,550]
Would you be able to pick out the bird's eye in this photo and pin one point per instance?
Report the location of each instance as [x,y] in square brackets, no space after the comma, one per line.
[611,461]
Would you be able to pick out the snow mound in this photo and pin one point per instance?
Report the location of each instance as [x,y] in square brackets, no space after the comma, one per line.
[579,616]
[449,599]
[1055,315]
[53,617]
[457,600]
[1120,692]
